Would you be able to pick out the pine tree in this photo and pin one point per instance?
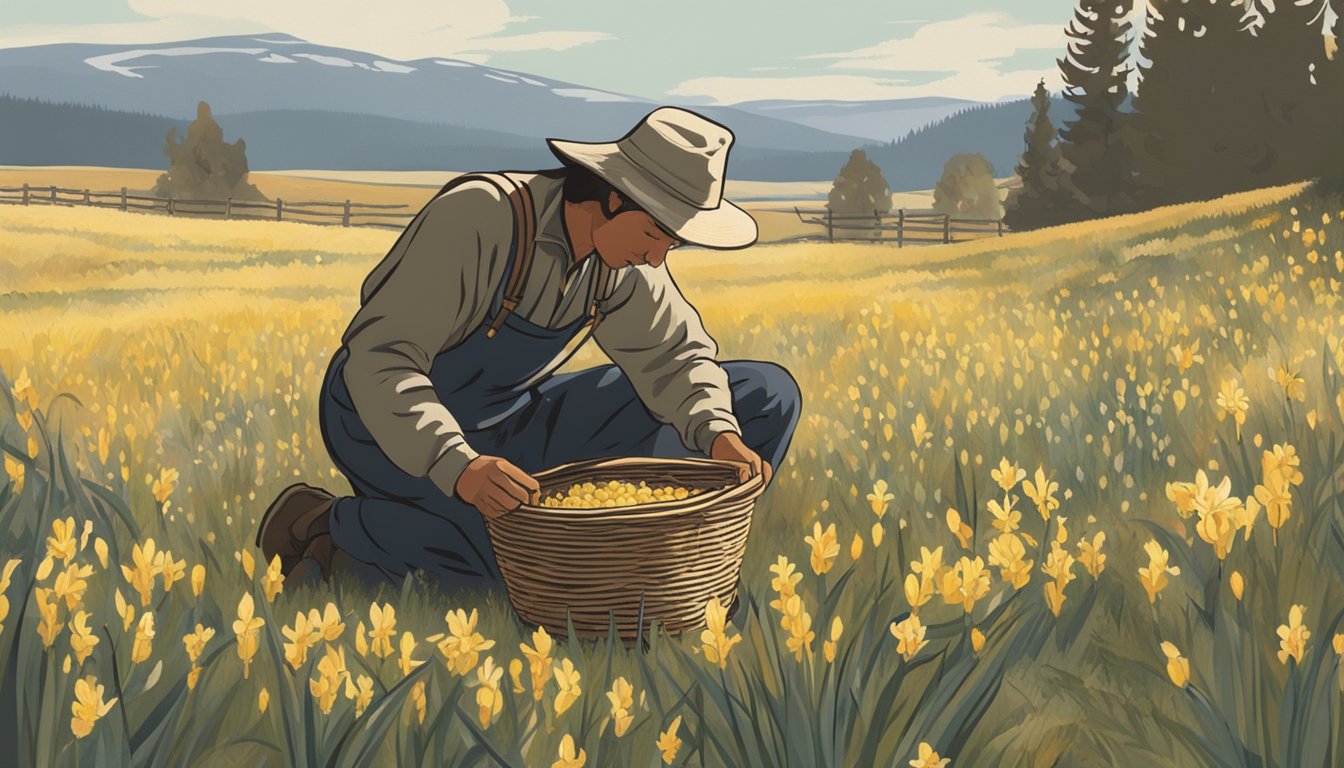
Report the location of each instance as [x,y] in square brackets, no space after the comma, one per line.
[859,188]
[1197,106]
[1045,197]
[1101,143]
[203,166]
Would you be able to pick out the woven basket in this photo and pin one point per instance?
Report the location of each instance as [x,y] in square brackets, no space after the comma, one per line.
[661,560]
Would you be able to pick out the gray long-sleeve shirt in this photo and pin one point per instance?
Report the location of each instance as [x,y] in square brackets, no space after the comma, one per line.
[435,286]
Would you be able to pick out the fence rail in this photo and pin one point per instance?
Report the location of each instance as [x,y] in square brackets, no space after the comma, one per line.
[910,226]
[350,214]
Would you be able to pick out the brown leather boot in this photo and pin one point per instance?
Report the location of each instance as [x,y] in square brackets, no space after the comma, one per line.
[297,517]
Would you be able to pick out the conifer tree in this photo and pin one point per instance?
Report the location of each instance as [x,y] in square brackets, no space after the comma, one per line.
[1045,197]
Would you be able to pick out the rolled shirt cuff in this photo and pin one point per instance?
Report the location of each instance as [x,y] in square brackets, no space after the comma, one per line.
[445,470]
[707,432]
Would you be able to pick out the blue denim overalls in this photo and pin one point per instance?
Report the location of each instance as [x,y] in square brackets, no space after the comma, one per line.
[504,394]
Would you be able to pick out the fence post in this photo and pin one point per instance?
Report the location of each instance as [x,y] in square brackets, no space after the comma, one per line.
[170,205]
[25,193]
[123,198]
[345,220]
[900,228]
[53,194]
[228,207]
[947,227]
[279,208]
[830,231]
[877,223]
[1000,227]
[86,197]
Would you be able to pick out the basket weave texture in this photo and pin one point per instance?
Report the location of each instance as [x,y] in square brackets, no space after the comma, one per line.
[661,560]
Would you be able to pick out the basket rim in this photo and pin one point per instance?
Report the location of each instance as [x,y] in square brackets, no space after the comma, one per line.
[732,492]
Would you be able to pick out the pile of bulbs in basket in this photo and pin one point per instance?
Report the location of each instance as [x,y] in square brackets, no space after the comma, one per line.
[615,493]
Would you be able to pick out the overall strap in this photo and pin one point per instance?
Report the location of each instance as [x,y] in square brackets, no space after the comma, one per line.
[520,248]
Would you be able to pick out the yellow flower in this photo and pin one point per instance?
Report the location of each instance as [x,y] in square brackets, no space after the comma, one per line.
[879,499]
[331,674]
[4,586]
[977,639]
[1005,517]
[164,486]
[786,578]
[273,581]
[1294,387]
[1217,510]
[361,640]
[1293,636]
[1232,402]
[48,606]
[15,469]
[70,584]
[828,647]
[247,627]
[1178,667]
[302,636]
[488,697]
[404,662]
[1042,493]
[61,542]
[1008,554]
[568,757]
[1008,475]
[328,622]
[568,679]
[1154,577]
[877,534]
[144,639]
[825,547]
[249,563]
[1187,356]
[920,430]
[516,674]
[418,699]
[928,758]
[263,700]
[461,648]
[1089,554]
[1237,583]
[171,571]
[197,580]
[856,547]
[959,529]
[141,576]
[909,634]
[362,693]
[88,706]
[799,625]
[100,549]
[1183,494]
[1059,567]
[82,639]
[622,701]
[966,583]
[668,741]
[715,639]
[539,660]
[382,627]
[126,611]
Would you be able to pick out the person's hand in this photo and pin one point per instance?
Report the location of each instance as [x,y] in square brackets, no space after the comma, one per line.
[494,486]
[728,446]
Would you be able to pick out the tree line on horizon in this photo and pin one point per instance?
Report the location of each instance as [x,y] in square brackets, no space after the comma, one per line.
[1225,102]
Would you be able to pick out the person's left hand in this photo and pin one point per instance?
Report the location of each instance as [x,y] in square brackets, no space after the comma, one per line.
[728,446]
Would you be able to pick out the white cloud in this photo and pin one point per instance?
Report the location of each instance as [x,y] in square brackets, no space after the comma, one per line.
[969,50]
[396,29]
[952,46]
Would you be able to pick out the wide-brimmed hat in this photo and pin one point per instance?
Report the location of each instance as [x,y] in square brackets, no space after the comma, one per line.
[672,165]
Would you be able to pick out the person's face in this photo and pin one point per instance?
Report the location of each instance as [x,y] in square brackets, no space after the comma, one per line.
[631,237]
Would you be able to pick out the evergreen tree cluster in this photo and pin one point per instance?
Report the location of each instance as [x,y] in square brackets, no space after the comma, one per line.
[1222,105]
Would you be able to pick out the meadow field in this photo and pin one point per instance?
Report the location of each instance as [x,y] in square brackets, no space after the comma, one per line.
[1070,497]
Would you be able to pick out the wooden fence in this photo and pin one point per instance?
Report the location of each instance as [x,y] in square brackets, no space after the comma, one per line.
[350,214]
[911,227]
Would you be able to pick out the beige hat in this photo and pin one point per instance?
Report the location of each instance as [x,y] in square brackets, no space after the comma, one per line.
[672,165]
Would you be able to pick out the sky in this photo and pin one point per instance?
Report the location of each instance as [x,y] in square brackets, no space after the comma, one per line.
[695,51]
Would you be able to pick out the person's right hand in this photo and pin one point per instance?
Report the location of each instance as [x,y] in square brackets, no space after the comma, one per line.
[495,486]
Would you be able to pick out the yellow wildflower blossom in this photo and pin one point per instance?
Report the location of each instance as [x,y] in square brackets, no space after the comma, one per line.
[88,706]
[668,742]
[1293,636]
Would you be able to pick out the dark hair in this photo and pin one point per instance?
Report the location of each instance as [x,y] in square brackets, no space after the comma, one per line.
[582,185]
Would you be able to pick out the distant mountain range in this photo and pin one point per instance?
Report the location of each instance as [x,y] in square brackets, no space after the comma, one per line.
[300,105]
